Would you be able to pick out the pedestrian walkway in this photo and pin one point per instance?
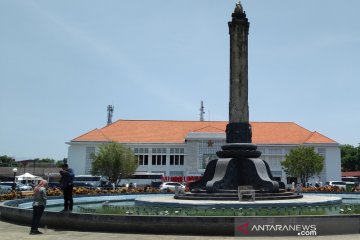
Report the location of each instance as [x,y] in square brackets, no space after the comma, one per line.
[9,231]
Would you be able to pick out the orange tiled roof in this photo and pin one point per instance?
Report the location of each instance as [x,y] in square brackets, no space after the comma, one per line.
[93,135]
[351,174]
[316,137]
[161,131]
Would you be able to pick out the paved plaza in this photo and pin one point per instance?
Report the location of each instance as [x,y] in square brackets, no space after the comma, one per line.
[9,231]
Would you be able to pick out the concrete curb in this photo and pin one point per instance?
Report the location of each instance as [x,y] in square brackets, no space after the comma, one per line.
[220,226]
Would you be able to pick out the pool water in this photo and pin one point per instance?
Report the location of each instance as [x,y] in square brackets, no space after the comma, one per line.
[129,208]
[83,206]
[125,205]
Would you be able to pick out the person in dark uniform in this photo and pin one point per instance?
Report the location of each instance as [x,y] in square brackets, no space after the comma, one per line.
[66,182]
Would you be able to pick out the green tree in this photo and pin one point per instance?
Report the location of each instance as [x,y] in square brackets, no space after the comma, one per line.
[45,160]
[115,161]
[303,162]
[6,161]
[60,162]
[350,158]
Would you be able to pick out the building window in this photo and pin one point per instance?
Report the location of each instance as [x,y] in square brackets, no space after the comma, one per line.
[143,159]
[181,159]
[274,162]
[262,150]
[207,158]
[171,160]
[177,150]
[177,156]
[287,151]
[321,152]
[163,160]
[89,152]
[207,151]
[141,150]
[142,155]
[176,159]
[158,150]
[276,174]
[158,159]
[176,173]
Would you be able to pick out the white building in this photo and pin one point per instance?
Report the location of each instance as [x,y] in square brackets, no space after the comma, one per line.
[183,148]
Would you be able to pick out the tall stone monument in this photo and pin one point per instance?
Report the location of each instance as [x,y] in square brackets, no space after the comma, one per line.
[239,164]
[238,130]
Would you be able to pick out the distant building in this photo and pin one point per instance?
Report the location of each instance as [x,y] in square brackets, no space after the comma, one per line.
[183,148]
[351,174]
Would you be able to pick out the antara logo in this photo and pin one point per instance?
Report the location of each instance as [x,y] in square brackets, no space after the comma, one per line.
[299,229]
[244,228]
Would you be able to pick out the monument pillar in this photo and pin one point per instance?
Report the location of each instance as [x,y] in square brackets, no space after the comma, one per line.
[238,130]
[239,164]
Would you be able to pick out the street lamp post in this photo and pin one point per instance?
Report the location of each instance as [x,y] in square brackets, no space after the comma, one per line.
[358,157]
[14,171]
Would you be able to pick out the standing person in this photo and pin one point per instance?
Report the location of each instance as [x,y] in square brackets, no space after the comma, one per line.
[298,188]
[66,182]
[39,205]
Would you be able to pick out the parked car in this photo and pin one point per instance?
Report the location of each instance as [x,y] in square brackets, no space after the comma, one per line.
[18,186]
[156,184]
[23,187]
[171,186]
[351,180]
[10,184]
[339,184]
[105,186]
[5,189]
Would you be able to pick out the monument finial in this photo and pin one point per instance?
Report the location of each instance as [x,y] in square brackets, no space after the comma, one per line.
[239,8]
[239,13]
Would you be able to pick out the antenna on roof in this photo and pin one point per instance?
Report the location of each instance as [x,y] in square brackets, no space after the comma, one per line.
[202,112]
[110,110]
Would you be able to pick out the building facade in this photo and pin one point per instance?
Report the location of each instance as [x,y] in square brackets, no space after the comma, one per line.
[183,148]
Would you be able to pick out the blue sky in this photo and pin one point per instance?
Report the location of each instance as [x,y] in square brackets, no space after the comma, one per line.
[63,62]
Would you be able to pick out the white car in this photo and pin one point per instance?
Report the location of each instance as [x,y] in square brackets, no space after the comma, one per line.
[339,184]
[171,186]
[23,187]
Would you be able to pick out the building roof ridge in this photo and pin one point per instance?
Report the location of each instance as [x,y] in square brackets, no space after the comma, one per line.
[310,132]
[309,136]
[270,122]
[159,120]
[322,135]
[105,136]
[207,126]
[95,129]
